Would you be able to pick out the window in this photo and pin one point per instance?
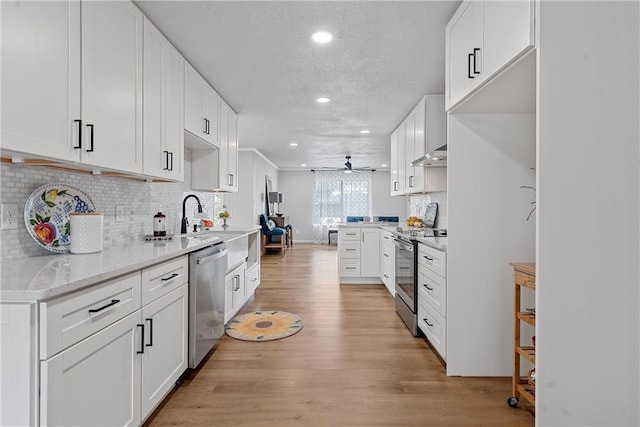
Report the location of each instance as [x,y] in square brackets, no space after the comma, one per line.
[338,195]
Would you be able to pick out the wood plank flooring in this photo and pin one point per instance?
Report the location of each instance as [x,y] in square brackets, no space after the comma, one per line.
[353,364]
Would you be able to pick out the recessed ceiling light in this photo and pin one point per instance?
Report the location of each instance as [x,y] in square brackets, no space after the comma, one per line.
[303,165]
[364,131]
[293,144]
[384,166]
[322,100]
[322,37]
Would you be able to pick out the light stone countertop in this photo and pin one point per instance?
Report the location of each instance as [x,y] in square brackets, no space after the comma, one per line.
[439,243]
[44,277]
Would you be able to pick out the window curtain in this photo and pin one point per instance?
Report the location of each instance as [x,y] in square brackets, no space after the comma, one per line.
[336,196]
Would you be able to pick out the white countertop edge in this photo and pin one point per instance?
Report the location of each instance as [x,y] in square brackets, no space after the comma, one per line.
[28,285]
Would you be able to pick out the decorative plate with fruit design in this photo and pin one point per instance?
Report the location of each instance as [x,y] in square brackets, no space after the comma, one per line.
[46,214]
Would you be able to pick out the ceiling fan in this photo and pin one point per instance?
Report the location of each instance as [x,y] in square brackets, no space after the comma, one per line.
[348,168]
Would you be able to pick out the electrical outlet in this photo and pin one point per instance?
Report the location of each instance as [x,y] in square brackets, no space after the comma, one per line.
[121,213]
[9,214]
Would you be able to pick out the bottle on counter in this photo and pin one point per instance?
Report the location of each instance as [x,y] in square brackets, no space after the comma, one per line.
[159,225]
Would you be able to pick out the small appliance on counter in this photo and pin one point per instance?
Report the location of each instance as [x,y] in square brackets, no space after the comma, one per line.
[86,232]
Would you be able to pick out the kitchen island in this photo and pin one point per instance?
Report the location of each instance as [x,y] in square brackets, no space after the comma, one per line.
[117,318]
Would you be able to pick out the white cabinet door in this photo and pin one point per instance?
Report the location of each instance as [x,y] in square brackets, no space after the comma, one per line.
[395,184]
[409,177]
[211,113]
[165,352]
[370,252]
[419,118]
[112,85]
[508,31]
[194,121]
[41,78]
[223,158]
[163,137]
[229,288]
[239,290]
[402,170]
[97,381]
[233,151]
[463,39]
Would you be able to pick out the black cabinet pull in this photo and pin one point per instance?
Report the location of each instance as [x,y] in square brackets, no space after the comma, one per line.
[170,277]
[469,66]
[79,134]
[475,51]
[204,125]
[427,286]
[166,160]
[112,303]
[150,320]
[90,126]
[171,154]
[427,258]
[427,322]
[208,129]
[141,351]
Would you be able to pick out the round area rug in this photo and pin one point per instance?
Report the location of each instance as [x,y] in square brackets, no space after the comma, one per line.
[264,326]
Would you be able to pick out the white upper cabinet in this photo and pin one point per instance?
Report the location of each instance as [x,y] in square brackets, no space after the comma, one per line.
[422,131]
[112,85]
[202,107]
[217,169]
[163,137]
[92,58]
[41,80]
[482,38]
[395,184]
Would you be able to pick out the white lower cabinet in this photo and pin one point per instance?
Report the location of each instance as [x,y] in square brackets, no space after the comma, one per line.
[432,297]
[96,381]
[165,346]
[359,254]
[234,290]
[107,359]
[387,261]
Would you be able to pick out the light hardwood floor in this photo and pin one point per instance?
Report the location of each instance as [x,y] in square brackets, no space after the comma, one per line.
[353,364]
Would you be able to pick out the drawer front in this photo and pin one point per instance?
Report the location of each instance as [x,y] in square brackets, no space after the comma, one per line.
[524,279]
[349,249]
[349,234]
[432,289]
[433,259]
[434,327]
[253,279]
[349,267]
[163,278]
[67,320]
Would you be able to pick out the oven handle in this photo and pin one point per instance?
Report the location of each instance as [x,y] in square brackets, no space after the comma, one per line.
[403,245]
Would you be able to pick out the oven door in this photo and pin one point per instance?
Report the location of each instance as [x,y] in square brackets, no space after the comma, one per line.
[405,272]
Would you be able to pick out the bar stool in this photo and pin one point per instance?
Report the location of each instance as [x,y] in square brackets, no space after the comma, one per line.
[289,229]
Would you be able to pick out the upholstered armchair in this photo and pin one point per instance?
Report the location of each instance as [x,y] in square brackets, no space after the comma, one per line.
[268,230]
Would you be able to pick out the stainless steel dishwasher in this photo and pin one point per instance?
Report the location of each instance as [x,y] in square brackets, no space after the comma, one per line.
[206,300]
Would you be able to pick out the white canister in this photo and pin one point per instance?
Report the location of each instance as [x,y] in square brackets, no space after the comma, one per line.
[86,234]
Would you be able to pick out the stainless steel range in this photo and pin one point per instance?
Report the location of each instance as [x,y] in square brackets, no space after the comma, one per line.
[406,282]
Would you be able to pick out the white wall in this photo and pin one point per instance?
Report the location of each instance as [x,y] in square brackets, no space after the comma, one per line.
[490,156]
[588,214]
[297,188]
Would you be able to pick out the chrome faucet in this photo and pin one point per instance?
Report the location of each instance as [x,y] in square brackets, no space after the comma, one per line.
[185,221]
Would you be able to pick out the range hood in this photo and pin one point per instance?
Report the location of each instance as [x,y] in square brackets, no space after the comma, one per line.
[434,158]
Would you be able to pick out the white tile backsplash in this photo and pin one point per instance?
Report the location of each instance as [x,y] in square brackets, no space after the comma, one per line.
[141,201]
[417,205]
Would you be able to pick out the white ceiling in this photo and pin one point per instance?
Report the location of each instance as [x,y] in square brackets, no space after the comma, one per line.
[260,58]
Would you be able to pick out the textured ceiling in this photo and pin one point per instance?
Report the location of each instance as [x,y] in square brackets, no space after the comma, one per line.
[260,57]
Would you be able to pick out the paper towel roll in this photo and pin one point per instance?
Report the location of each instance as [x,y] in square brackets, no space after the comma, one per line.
[86,233]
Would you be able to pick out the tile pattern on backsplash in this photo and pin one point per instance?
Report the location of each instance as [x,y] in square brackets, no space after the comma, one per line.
[417,205]
[141,202]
